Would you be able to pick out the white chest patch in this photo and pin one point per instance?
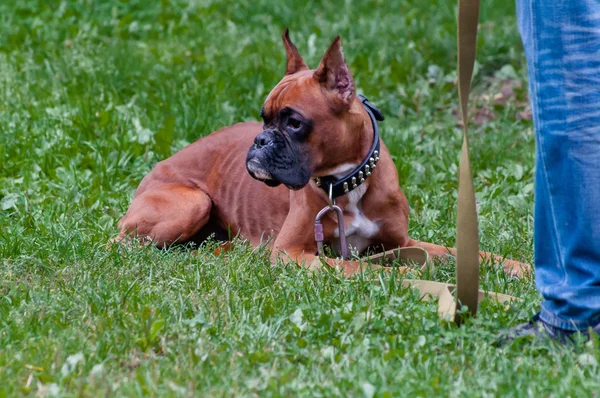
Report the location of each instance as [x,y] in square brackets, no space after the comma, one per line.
[342,170]
[360,231]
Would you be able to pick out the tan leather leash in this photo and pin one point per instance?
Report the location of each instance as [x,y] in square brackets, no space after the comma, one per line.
[467,232]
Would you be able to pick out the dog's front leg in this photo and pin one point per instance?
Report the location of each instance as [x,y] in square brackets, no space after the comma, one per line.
[314,262]
[294,244]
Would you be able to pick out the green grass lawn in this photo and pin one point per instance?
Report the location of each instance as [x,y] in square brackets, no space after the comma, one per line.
[93,93]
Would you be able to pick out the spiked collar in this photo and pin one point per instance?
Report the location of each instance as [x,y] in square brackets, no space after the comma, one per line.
[356,177]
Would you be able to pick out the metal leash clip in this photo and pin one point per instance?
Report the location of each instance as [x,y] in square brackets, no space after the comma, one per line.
[319,237]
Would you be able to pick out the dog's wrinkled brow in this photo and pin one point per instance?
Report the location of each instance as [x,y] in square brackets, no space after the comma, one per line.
[266,114]
[287,111]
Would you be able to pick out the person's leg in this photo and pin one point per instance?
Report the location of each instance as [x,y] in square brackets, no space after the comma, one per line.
[562,45]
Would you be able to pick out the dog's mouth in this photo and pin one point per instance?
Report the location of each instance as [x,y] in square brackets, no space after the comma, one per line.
[257,172]
[295,187]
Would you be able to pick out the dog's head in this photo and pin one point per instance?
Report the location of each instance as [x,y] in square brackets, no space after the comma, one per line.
[312,121]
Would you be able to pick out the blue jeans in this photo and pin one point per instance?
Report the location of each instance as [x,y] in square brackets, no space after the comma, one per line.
[562,45]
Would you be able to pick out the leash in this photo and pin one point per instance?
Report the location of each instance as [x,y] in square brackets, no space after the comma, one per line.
[467,231]
[466,292]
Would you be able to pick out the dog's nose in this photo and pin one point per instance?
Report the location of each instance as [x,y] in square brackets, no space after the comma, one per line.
[263,139]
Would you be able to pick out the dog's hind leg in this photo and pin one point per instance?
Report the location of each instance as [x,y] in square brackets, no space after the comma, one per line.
[166,214]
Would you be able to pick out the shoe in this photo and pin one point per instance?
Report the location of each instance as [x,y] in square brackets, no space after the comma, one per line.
[539,329]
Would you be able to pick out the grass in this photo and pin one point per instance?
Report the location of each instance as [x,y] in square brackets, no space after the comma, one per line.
[93,93]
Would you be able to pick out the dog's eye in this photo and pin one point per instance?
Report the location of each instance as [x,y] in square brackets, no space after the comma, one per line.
[294,123]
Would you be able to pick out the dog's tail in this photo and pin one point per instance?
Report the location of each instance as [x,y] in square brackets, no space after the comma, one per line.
[511,267]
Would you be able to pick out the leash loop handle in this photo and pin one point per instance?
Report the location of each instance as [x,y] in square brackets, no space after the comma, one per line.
[467,232]
[319,235]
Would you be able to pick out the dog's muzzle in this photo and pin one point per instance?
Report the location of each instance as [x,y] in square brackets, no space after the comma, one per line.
[256,157]
[273,159]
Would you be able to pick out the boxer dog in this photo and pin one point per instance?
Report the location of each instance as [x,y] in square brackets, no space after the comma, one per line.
[317,141]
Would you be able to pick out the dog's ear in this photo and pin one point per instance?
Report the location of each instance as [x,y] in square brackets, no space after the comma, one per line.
[334,76]
[295,63]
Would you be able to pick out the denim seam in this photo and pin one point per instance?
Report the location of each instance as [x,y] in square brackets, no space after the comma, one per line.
[538,123]
[565,324]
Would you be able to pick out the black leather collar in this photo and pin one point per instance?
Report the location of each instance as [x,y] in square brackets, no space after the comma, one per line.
[357,176]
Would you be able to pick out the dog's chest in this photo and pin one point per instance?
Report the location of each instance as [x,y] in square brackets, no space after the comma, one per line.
[359,229]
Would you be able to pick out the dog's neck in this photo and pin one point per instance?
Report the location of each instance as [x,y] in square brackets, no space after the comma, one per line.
[364,133]
[348,176]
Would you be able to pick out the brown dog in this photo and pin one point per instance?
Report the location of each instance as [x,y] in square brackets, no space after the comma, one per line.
[315,131]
